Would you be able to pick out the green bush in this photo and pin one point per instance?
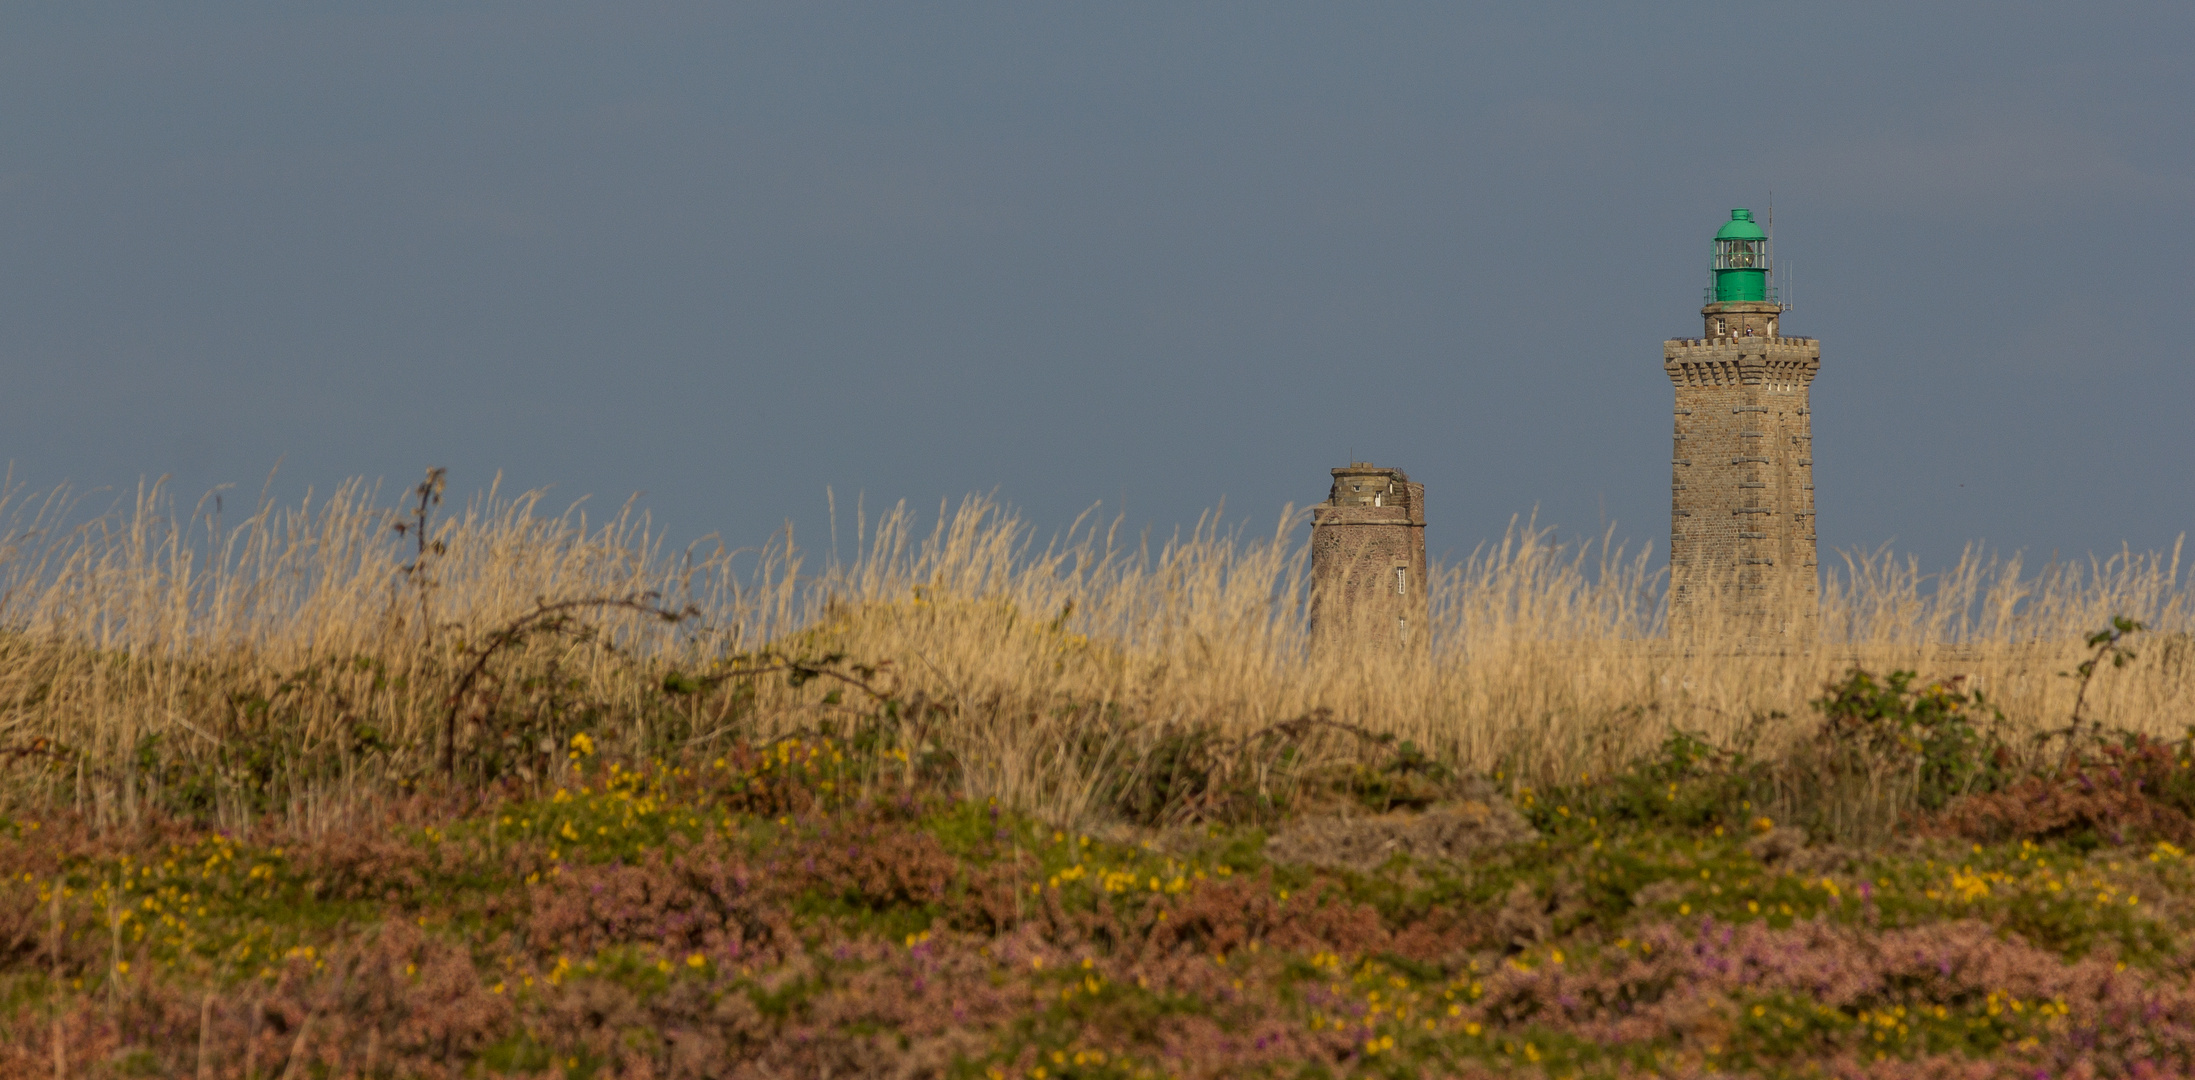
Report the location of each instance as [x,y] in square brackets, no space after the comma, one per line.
[1689,782]
[1926,737]
[1885,749]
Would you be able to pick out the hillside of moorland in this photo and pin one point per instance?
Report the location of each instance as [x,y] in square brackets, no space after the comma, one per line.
[379,787]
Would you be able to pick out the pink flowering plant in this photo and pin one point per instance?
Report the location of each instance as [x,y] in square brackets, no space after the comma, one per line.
[830,904]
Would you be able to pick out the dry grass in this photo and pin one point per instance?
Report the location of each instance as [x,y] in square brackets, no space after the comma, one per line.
[291,665]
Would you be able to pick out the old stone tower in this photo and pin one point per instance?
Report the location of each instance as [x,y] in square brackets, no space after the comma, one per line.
[1741,528]
[1368,561]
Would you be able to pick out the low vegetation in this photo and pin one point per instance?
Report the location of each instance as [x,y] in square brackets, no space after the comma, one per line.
[505,794]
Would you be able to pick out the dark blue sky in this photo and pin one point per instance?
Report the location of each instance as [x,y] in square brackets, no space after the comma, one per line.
[729,254]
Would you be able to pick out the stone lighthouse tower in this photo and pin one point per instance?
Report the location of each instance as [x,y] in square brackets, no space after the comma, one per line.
[1368,562]
[1741,528]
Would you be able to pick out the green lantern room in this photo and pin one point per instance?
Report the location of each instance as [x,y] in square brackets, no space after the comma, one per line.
[1741,262]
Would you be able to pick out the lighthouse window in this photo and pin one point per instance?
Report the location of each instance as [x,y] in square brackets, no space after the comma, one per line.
[1402,581]
[1740,254]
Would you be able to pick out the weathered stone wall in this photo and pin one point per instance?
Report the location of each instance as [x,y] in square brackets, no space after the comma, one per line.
[1741,534]
[1368,561]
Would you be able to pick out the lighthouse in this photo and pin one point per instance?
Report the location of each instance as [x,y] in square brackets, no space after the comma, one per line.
[1741,527]
[1368,567]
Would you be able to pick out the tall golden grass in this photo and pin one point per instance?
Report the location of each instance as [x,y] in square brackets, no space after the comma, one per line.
[300,662]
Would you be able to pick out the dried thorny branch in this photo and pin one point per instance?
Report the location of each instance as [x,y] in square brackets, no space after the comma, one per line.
[1223,762]
[1322,717]
[429,493]
[417,525]
[885,701]
[799,670]
[547,617]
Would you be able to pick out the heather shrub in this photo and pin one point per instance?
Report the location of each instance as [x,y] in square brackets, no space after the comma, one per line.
[2130,790]
[644,921]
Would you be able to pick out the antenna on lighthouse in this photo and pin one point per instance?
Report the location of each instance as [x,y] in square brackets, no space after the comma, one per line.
[1776,281]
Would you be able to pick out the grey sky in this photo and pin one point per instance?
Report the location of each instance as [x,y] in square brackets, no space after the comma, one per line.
[730,254]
